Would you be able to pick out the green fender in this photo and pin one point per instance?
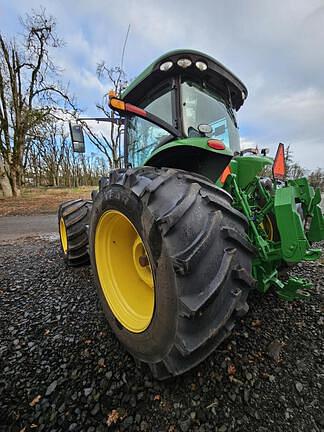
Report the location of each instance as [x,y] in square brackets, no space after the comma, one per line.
[294,244]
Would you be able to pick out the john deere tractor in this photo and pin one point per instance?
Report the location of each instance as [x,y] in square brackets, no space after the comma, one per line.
[179,236]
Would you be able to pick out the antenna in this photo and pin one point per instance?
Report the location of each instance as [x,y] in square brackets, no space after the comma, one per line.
[124,48]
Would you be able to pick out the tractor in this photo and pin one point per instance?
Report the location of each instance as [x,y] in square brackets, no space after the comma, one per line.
[179,236]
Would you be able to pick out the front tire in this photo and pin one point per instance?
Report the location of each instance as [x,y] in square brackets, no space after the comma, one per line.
[199,256]
[73,221]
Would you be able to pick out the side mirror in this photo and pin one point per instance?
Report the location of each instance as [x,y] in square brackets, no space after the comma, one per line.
[77,138]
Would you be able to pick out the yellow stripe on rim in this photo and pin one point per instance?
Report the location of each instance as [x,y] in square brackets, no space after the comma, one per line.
[124,271]
[63,235]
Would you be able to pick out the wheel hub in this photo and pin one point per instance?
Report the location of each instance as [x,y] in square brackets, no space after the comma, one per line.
[124,271]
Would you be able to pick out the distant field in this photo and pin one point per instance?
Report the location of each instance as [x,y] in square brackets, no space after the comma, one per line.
[41,200]
[45,200]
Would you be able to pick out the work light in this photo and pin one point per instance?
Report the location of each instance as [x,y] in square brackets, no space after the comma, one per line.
[184,63]
[201,65]
[166,66]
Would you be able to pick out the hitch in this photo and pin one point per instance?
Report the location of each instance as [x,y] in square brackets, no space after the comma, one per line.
[292,289]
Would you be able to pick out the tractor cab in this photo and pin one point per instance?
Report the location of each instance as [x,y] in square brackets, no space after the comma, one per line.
[183,114]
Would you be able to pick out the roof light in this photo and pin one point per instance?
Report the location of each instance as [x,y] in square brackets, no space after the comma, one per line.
[164,67]
[184,63]
[201,65]
[216,144]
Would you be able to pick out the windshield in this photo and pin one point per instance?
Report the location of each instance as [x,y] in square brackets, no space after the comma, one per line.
[201,106]
[143,136]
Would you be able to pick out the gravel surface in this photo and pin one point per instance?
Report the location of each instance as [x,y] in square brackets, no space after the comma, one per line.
[61,369]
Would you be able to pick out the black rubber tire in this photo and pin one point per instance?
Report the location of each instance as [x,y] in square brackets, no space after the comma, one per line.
[200,258]
[76,217]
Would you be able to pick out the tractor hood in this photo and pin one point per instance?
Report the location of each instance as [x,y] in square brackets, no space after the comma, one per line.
[210,71]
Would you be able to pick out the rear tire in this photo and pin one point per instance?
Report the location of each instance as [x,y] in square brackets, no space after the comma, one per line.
[73,222]
[200,259]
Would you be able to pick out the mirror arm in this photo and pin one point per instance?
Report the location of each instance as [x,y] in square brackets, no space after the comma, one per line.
[103,119]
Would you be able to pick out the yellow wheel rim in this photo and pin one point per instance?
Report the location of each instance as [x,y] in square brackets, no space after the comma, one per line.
[63,235]
[124,271]
[267,226]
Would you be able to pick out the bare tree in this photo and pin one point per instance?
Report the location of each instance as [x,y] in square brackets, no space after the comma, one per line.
[30,90]
[51,161]
[49,146]
[293,169]
[109,144]
[316,179]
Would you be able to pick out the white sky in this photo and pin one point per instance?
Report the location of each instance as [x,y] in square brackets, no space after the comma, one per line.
[275,47]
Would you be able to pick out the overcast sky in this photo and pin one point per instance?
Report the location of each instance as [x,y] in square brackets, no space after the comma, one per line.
[275,47]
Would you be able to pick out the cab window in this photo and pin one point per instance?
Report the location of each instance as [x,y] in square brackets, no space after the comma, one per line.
[143,136]
[202,106]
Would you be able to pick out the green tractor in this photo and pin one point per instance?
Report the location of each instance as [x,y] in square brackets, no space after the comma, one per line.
[180,235]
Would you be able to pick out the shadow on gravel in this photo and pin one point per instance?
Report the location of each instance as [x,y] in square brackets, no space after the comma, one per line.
[61,369]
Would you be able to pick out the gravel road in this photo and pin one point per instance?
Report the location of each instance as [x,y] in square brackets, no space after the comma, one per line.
[18,227]
[61,369]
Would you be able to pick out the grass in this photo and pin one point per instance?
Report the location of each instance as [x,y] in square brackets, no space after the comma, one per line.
[43,200]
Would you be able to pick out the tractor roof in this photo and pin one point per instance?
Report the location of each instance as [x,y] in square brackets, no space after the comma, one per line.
[215,75]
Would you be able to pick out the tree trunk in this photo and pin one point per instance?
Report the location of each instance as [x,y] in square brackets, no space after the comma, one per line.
[53,179]
[5,185]
[14,183]
[36,177]
[4,181]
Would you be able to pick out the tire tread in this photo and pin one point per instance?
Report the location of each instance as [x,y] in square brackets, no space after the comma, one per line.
[206,311]
[76,217]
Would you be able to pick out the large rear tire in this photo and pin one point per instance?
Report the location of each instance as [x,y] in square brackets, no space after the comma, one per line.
[73,222]
[195,246]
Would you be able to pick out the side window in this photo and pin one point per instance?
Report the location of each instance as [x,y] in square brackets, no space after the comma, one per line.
[162,107]
[143,136]
[203,106]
